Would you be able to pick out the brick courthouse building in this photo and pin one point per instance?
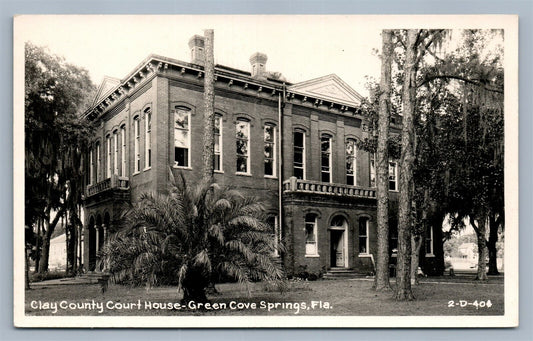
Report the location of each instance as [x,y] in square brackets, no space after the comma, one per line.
[152,120]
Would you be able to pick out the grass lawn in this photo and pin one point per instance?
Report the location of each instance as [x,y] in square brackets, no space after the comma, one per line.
[331,297]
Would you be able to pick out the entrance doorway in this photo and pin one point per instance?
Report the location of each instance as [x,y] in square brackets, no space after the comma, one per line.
[338,242]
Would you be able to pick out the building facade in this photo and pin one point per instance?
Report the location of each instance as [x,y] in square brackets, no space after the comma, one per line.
[292,145]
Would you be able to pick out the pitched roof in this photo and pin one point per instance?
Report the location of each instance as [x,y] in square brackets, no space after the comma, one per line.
[330,88]
[107,85]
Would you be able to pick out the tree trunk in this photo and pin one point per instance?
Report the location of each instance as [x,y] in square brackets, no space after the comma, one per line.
[482,253]
[403,272]
[382,167]
[26,269]
[38,246]
[491,245]
[45,254]
[209,104]
[416,244]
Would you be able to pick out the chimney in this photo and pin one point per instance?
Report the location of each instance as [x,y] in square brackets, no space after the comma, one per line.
[197,44]
[258,61]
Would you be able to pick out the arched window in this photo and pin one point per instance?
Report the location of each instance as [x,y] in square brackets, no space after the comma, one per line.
[123,150]
[148,138]
[393,173]
[109,166]
[269,134]
[242,137]
[98,167]
[115,151]
[351,162]
[182,136]
[299,154]
[326,165]
[311,239]
[137,132]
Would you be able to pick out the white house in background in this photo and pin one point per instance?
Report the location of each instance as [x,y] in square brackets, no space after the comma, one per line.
[58,253]
[468,251]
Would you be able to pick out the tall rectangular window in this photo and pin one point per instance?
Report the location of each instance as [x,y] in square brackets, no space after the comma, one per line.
[351,162]
[148,139]
[217,157]
[393,176]
[311,248]
[98,168]
[137,151]
[109,166]
[373,182]
[91,166]
[123,150]
[270,149]
[182,137]
[115,152]
[299,154]
[325,150]
[363,236]
[242,137]
[429,242]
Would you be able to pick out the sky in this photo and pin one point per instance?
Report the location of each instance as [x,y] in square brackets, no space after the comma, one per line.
[300,47]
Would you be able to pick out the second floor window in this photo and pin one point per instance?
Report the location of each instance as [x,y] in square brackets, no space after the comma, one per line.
[137,131]
[270,149]
[242,136]
[115,152]
[351,162]
[299,154]
[429,242]
[148,139]
[91,166]
[393,174]
[217,157]
[109,168]
[182,137]
[123,151]
[98,167]
[325,150]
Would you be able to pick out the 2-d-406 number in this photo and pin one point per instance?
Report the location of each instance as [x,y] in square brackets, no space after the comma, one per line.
[464,304]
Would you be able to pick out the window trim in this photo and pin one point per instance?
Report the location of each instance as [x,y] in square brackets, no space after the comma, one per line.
[98,162]
[248,144]
[91,166]
[189,130]
[396,184]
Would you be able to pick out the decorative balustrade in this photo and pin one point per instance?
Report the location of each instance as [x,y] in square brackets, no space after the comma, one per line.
[307,186]
[115,181]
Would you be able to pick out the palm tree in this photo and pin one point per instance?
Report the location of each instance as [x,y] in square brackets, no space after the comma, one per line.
[190,236]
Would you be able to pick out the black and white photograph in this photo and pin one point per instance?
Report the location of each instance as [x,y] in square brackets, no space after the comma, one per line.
[265,171]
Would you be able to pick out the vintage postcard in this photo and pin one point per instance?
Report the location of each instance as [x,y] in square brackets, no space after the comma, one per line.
[265,171]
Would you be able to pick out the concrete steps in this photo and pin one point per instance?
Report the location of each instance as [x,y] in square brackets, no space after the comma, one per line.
[337,273]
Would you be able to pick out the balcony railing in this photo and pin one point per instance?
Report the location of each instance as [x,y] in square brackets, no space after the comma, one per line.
[115,181]
[316,187]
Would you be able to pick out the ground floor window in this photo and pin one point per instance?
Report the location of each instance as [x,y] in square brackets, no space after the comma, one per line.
[311,248]
[363,236]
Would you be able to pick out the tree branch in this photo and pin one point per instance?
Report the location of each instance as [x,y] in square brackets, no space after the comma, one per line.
[470,81]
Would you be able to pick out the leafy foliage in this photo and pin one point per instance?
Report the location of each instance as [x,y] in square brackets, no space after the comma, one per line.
[191,237]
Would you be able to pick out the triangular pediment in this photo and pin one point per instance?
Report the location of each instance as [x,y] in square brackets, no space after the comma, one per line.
[107,85]
[330,88]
